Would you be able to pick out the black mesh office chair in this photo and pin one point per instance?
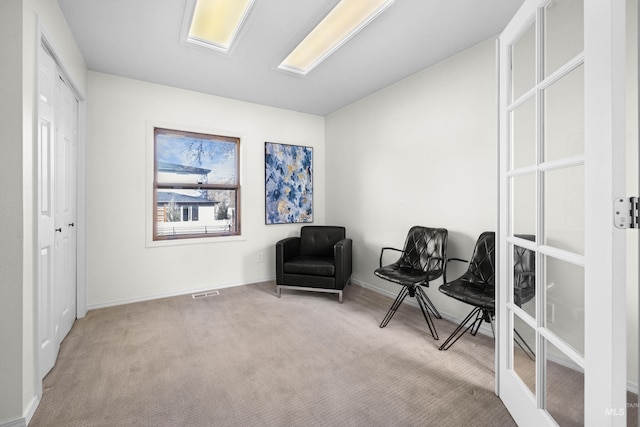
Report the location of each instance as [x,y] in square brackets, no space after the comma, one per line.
[422,260]
[477,287]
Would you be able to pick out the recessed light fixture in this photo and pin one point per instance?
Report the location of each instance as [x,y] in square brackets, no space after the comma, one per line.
[215,23]
[343,22]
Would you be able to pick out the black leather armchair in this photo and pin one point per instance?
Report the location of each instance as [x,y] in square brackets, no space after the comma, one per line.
[319,260]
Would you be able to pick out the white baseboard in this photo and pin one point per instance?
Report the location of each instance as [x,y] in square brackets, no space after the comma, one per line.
[123,301]
[24,421]
[17,423]
[31,409]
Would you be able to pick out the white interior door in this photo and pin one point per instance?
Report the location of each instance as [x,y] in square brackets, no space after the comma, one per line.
[47,76]
[561,167]
[66,114]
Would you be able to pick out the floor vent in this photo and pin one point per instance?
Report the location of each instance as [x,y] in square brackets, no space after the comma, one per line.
[205,294]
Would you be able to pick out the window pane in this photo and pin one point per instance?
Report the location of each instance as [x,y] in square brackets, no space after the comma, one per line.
[564,386]
[523,136]
[564,116]
[212,212]
[524,277]
[523,62]
[563,28]
[564,294]
[192,158]
[523,204]
[564,209]
[524,357]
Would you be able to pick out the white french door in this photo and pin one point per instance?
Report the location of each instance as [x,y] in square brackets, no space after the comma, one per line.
[561,167]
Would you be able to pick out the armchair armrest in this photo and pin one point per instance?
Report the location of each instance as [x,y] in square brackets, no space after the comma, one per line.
[387,248]
[444,274]
[343,262]
[286,249]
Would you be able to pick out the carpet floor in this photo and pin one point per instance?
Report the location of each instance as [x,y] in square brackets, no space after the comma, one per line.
[247,358]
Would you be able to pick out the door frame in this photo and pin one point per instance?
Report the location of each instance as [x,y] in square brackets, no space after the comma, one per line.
[605,342]
[42,37]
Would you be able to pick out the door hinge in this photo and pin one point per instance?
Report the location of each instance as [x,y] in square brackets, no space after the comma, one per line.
[626,212]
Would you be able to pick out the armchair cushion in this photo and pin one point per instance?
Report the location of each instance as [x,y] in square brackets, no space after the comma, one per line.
[313,266]
[318,241]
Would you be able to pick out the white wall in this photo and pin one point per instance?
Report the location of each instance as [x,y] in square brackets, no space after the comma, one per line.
[121,266]
[420,152]
[11,239]
[18,48]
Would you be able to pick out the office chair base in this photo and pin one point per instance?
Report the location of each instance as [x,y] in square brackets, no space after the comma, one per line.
[517,338]
[305,288]
[472,323]
[483,315]
[426,306]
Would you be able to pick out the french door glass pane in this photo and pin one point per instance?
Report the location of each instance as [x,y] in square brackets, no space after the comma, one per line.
[563,32]
[564,387]
[523,137]
[524,279]
[564,116]
[564,209]
[564,296]
[523,62]
[523,204]
[524,359]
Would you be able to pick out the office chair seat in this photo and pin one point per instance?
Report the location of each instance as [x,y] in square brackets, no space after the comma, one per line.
[466,290]
[403,274]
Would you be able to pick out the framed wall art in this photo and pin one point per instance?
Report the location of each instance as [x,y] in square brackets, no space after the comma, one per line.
[288,183]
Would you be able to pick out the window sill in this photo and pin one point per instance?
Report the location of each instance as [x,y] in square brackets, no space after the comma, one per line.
[193,241]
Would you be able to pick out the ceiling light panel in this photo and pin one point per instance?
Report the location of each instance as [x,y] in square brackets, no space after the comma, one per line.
[216,23]
[343,22]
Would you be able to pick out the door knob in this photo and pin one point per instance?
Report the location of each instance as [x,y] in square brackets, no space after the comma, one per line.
[71,224]
[59,229]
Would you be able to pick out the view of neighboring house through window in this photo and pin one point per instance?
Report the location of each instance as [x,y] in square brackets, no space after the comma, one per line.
[196,187]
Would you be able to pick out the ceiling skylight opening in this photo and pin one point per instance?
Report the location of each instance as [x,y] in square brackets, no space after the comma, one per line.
[343,22]
[215,23]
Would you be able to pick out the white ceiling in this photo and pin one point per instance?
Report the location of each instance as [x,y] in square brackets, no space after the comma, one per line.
[140,39]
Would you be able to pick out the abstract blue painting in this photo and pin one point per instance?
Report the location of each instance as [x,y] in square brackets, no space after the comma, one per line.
[288,183]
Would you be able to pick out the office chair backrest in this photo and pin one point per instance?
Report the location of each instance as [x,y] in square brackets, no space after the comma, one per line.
[482,265]
[422,245]
[318,240]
